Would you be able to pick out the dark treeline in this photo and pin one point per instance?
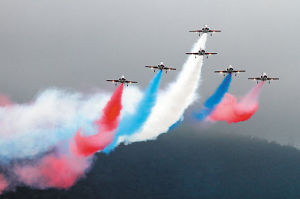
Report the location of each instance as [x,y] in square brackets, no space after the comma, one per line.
[187,164]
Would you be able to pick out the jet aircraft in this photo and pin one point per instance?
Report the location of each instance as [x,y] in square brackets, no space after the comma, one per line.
[201,52]
[230,70]
[160,66]
[121,80]
[264,77]
[205,29]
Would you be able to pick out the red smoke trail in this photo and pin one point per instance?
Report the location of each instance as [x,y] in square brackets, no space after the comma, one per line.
[60,169]
[88,145]
[230,110]
[53,171]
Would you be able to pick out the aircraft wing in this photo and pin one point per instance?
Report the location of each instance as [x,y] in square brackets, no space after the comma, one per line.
[221,71]
[195,31]
[130,82]
[254,78]
[238,71]
[272,78]
[192,53]
[211,53]
[113,80]
[152,67]
[168,68]
[214,30]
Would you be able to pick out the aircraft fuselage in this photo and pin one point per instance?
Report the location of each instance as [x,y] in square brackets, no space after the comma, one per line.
[201,52]
[122,80]
[205,30]
[264,78]
[161,66]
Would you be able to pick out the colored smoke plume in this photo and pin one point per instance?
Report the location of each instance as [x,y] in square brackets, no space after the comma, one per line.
[28,130]
[230,110]
[61,168]
[173,101]
[212,102]
[53,171]
[132,123]
[106,125]
[37,136]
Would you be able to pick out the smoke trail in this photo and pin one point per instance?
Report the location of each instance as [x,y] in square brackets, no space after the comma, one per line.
[133,122]
[28,130]
[42,130]
[106,126]
[54,170]
[230,110]
[174,100]
[61,168]
[211,103]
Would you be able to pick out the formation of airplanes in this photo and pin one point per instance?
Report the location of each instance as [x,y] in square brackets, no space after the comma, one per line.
[229,70]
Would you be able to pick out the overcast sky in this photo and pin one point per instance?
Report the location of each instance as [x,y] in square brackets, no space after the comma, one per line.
[77,44]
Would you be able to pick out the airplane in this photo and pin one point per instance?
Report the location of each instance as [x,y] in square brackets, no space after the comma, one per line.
[161,66]
[264,77]
[205,29]
[229,70]
[201,52]
[121,80]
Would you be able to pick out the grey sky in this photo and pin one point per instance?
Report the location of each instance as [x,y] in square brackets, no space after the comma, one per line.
[76,44]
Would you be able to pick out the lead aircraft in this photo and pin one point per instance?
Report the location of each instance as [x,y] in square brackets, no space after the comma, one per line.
[205,29]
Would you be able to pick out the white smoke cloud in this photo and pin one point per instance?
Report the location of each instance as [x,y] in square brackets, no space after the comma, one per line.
[172,102]
[55,115]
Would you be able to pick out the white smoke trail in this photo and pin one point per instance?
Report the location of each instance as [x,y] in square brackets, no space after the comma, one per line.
[172,103]
[55,115]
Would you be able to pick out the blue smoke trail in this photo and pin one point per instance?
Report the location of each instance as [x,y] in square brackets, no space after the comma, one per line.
[211,103]
[132,123]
